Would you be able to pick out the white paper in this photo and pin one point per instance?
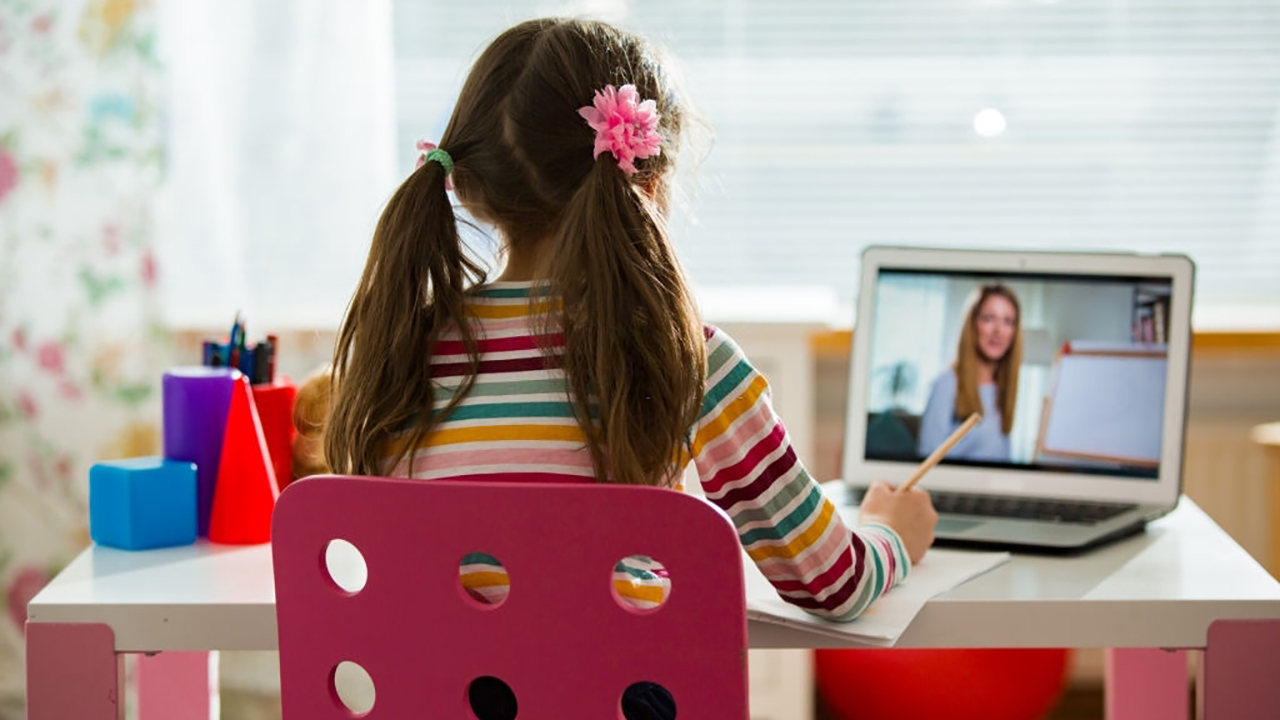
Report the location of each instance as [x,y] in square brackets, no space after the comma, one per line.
[888,617]
[1109,407]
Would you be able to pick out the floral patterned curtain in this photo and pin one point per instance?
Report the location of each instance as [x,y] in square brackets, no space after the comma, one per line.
[81,345]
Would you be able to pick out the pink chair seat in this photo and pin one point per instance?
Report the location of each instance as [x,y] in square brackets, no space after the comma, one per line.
[561,640]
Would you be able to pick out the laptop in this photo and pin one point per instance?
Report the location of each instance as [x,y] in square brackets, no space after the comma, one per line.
[1076,362]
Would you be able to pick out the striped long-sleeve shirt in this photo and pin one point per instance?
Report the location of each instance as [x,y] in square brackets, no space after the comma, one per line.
[517,421]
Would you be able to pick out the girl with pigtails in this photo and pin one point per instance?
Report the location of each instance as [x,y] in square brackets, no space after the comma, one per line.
[585,360]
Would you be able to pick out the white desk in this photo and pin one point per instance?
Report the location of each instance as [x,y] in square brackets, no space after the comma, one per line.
[1182,585]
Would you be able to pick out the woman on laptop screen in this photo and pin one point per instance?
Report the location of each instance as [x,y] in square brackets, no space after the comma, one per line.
[983,379]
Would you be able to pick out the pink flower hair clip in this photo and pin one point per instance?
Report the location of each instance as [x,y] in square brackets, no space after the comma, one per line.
[430,152]
[624,125]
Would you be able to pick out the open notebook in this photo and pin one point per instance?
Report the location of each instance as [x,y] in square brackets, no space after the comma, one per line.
[888,617]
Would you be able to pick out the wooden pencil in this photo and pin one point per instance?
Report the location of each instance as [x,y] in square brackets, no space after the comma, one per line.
[936,456]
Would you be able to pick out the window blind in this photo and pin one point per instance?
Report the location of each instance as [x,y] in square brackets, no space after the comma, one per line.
[1147,126]
[1127,125]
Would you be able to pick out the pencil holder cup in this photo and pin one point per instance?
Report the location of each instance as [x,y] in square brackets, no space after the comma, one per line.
[195,402]
[275,410]
[142,503]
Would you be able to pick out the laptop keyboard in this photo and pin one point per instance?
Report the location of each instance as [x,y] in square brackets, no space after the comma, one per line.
[1038,509]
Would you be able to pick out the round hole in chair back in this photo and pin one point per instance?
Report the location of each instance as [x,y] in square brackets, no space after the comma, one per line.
[483,579]
[646,700]
[491,699]
[345,565]
[353,687]
[640,584]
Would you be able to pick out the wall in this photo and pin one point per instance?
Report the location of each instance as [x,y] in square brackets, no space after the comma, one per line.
[1101,312]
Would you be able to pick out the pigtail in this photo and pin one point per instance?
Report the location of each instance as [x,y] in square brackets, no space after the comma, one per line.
[634,345]
[413,288]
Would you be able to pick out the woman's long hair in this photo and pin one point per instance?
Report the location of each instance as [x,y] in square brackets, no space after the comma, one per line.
[967,358]
[634,350]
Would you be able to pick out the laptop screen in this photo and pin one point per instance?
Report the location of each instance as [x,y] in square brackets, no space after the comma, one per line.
[1067,371]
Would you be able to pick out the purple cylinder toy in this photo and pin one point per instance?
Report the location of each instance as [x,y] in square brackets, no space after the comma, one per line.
[196,401]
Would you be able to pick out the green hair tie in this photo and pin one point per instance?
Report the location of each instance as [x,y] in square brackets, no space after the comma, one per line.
[440,156]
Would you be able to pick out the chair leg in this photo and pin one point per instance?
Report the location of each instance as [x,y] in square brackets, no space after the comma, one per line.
[1240,679]
[178,686]
[1146,684]
[73,671]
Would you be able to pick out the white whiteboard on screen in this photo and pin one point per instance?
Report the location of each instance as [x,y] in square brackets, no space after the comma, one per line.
[1106,407]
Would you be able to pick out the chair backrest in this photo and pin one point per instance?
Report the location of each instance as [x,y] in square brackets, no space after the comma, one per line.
[561,640]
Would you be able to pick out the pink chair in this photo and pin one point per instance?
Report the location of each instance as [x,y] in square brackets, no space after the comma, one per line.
[561,640]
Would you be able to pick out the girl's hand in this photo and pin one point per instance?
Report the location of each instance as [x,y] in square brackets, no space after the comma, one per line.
[910,514]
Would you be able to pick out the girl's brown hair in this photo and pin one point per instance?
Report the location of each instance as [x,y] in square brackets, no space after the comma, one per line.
[634,351]
[967,358]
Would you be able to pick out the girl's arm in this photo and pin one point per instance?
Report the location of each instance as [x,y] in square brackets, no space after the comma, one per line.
[789,528]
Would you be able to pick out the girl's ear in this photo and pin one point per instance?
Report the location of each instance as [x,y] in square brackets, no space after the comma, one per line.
[652,186]
[657,188]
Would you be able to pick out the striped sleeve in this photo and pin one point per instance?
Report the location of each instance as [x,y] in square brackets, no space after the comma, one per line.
[748,468]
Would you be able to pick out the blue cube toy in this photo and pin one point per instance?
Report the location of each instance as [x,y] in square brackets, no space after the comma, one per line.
[142,503]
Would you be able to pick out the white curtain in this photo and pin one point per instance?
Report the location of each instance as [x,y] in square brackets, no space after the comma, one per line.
[281,152]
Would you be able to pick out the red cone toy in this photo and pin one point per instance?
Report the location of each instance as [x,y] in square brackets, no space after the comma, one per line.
[246,491]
